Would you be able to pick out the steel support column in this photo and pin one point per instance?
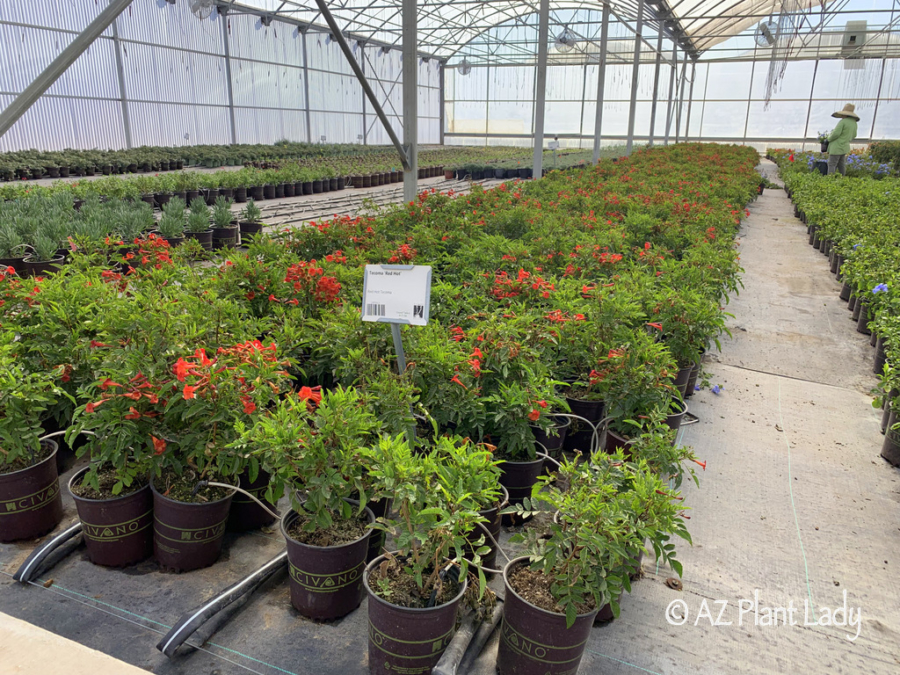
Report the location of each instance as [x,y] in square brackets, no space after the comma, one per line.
[635,75]
[670,104]
[410,100]
[680,100]
[120,73]
[659,43]
[541,91]
[687,122]
[812,90]
[601,81]
[60,64]
[354,66]
[878,97]
[362,66]
[309,138]
[226,42]
[442,96]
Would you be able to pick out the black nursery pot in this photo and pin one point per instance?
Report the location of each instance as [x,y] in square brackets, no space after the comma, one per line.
[407,640]
[534,641]
[580,435]
[205,239]
[326,581]
[692,381]
[676,416]
[862,323]
[250,229]
[553,444]
[41,268]
[117,532]
[845,291]
[245,513]
[379,509]
[494,520]
[880,356]
[890,448]
[224,237]
[30,500]
[518,478]
[188,536]
[240,194]
[683,378]
[316,186]
[257,193]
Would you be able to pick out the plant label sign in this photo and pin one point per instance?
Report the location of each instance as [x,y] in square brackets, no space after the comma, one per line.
[397,294]
[553,145]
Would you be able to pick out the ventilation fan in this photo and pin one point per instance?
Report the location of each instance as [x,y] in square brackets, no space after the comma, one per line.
[565,41]
[766,33]
[202,8]
[465,67]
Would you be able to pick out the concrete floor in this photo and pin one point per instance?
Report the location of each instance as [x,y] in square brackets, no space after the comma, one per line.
[795,505]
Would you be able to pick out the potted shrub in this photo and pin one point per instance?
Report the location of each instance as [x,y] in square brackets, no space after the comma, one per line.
[225,230]
[44,257]
[30,502]
[12,247]
[198,227]
[313,447]
[414,592]
[171,225]
[583,564]
[249,222]
[189,410]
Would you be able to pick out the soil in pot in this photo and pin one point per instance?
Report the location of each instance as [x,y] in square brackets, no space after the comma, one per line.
[188,530]
[30,500]
[407,639]
[116,528]
[326,566]
[245,513]
[534,639]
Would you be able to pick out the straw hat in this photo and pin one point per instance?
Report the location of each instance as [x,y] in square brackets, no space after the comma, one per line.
[848,111]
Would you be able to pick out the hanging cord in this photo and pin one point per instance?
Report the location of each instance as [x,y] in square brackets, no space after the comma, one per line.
[209,483]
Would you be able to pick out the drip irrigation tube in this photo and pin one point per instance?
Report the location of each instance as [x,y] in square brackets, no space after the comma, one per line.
[187,625]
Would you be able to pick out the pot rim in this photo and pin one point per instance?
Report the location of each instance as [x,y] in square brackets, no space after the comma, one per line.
[508,586]
[290,513]
[372,595]
[108,500]
[682,403]
[43,461]
[541,456]
[175,501]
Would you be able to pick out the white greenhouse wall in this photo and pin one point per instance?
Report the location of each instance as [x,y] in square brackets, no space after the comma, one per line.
[176,81]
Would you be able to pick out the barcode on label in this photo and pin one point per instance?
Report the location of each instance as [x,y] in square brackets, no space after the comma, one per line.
[375,310]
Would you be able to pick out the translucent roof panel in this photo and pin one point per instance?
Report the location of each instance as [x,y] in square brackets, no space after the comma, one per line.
[445,26]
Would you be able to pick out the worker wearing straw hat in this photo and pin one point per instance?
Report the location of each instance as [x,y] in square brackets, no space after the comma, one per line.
[840,138]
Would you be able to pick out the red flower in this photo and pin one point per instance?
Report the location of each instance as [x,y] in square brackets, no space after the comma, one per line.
[657,326]
[188,392]
[95,344]
[311,394]
[133,414]
[543,404]
[456,379]
[703,464]
[92,407]
[107,383]
[533,415]
[182,369]
[249,406]
[159,445]
[200,355]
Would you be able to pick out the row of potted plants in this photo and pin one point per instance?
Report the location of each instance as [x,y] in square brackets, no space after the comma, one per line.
[850,221]
[589,291]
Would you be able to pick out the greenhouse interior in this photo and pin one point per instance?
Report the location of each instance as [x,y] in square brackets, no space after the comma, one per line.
[526,337]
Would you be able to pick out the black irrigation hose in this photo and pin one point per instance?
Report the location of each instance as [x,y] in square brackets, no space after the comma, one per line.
[193,620]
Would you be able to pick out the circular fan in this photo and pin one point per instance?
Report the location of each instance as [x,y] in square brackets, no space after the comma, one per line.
[565,41]
[202,8]
[766,33]
[465,67]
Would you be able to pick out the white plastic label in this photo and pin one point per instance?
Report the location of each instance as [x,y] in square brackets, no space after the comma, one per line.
[397,294]
[553,145]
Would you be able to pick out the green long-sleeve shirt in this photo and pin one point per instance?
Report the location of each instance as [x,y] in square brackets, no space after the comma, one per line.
[844,132]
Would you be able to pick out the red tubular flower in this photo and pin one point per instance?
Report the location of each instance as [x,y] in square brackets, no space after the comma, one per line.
[107,383]
[456,379]
[92,407]
[533,415]
[543,404]
[188,392]
[95,344]
[703,464]
[311,394]
[133,414]
[249,406]
[159,445]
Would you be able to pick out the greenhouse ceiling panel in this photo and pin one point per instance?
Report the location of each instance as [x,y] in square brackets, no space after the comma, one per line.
[447,26]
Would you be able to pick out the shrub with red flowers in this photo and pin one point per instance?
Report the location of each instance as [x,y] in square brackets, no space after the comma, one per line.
[156,416]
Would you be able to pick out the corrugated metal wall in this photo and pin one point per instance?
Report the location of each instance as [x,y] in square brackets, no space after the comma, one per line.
[176,83]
